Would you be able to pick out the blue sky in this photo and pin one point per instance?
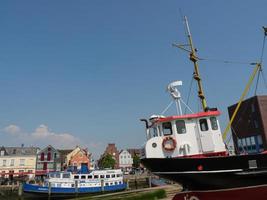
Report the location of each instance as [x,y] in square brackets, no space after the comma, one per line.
[84,72]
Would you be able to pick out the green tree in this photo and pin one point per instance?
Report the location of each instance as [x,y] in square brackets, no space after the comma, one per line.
[107,161]
[136,161]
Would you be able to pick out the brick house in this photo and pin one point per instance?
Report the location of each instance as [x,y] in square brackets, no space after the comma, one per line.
[113,151]
[249,128]
[77,157]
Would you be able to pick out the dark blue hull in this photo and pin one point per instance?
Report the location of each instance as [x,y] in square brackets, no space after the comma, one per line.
[36,189]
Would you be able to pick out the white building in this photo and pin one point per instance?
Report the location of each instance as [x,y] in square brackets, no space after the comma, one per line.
[125,160]
[17,161]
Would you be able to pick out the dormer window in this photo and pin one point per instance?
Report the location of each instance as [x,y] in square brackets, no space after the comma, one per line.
[180,126]
[2,153]
[167,128]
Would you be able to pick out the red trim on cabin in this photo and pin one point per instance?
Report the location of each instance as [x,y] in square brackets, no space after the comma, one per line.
[189,116]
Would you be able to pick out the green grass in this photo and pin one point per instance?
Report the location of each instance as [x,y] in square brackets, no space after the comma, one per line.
[158,194]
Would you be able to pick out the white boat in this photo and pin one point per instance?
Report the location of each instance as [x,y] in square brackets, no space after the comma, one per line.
[68,183]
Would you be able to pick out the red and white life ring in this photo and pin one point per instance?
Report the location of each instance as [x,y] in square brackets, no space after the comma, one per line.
[168,143]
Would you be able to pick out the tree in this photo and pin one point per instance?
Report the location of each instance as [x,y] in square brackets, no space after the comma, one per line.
[107,161]
[136,161]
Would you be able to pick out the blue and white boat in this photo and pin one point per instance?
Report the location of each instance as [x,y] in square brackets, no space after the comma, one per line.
[68,183]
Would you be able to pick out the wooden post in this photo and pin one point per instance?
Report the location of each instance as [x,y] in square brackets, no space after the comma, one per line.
[149,181]
[127,181]
[76,188]
[49,189]
[102,185]
[20,191]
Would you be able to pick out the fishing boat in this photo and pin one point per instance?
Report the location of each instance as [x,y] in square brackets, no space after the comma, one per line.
[68,183]
[189,148]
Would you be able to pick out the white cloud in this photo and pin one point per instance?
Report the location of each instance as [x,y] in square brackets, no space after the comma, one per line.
[12,129]
[42,136]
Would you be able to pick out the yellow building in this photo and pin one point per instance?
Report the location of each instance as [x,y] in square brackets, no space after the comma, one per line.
[17,161]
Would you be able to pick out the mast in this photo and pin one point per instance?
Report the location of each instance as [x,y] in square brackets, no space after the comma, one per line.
[194,59]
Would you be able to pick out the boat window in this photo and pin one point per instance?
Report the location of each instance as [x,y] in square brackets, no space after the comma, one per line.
[203,125]
[113,175]
[108,176]
[57,175]
[90,177]
[214,124]
[95,176]
[102,176]
[180,126]
[118,175]
[116,183]
[106,184]
[82,177]
[167,128]
[66,176]
[76,177]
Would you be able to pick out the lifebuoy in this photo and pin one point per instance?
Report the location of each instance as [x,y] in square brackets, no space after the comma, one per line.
[169,143]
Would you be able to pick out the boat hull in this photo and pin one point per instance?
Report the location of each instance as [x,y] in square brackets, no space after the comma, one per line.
[212,173]
[57,191]
[245,193]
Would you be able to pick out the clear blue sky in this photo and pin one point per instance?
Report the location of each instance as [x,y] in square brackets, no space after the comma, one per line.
[86,71]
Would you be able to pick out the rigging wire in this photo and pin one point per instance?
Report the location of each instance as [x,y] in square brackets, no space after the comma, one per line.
[189,94]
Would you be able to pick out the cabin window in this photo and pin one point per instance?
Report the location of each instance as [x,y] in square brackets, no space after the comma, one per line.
[113,175]
[214,124]
[95,176]
[102,176]
[82,177]
[118,175]
[108,176]
[203,125]
[76,177]
[90,177]
[58,175]
[167,128]
[106,184]
[66,176]
[180,126]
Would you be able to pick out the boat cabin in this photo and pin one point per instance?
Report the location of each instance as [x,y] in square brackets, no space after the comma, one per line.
[188,135]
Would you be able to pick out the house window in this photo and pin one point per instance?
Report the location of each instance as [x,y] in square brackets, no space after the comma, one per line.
[55,155]
[12,162]
[42,156]
[48,156]
[256,124]
[214,124]
[2,153]
[4,163]
[180,126]
[203,125]
[22,162]
[167,128]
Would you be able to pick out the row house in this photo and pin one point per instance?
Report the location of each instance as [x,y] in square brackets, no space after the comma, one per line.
[78,157]
[125,160]
[48,160]
[18,161]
